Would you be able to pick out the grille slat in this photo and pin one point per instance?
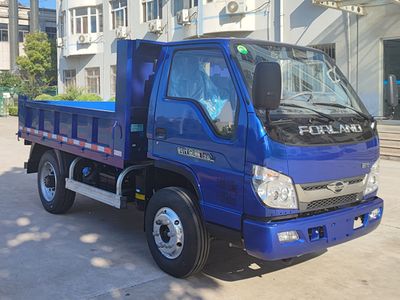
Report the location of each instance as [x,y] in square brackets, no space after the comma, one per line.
[316,187]
[332,202]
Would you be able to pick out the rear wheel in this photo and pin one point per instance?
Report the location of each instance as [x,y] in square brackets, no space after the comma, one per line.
[176,234]
[55,198]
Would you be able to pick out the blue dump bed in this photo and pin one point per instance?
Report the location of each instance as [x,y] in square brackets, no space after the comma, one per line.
[88,129]
[109,132]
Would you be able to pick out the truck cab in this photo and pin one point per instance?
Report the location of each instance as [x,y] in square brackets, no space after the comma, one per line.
[263,144]
[293,176]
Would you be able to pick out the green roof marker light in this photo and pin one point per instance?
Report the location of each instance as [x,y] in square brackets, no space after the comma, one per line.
[242,49]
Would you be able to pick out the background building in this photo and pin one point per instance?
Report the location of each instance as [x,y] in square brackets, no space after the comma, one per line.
[362,36]
[88,31]
[47,23]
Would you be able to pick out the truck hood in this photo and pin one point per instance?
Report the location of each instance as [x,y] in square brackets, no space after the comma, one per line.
[310,163]
[306,164]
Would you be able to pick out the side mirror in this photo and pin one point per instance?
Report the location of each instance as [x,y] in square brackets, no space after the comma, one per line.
[267,86]
[393,91]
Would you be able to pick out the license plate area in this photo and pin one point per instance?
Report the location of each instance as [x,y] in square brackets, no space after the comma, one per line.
[316,233]
[358,222]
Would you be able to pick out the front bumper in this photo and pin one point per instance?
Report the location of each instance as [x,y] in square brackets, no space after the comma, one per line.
[261,239]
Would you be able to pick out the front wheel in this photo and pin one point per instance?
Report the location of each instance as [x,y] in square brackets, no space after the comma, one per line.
[175,232]
[55,198]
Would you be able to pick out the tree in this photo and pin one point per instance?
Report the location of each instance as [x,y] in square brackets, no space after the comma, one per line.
[10,81]
[36,66]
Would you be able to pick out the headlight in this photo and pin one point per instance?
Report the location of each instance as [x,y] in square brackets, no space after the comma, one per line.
[274,189]
[371,184]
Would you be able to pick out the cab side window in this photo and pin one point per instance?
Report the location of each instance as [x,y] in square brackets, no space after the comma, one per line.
[203,76]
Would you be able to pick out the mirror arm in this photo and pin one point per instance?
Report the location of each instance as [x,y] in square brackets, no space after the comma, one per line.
[267,118]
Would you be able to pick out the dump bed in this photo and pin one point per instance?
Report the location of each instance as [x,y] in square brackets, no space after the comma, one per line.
[88,129]
[113,133]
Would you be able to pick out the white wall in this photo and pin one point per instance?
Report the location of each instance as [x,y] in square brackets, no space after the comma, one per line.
[103,53]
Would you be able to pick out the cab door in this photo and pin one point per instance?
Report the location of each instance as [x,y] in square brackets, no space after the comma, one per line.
[200,122]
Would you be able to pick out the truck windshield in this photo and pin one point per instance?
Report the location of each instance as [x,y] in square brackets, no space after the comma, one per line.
[309,79]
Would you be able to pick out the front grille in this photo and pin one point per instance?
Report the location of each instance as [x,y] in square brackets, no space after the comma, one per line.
[320,186]
[332,202]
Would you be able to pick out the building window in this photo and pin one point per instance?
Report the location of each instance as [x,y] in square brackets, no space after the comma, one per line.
[100,17]
[87,19]
[3,32]
[181,4]
[113,76]
[152,9]
[329,49]
[93,80]
[22,31]
[51,32]
[69,78]
[119,15]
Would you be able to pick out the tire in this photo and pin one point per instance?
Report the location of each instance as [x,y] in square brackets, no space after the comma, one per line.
[55,198]
[178,206]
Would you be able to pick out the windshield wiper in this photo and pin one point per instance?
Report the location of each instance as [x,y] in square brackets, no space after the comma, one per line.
[343,106]
[311,109]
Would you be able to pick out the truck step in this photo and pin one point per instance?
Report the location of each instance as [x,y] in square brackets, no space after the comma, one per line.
[389,136]
[96,193]
[390,144]
[389,128]
[393,153]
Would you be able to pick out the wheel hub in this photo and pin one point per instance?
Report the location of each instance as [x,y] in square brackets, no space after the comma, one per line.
[48,181]
[168,233]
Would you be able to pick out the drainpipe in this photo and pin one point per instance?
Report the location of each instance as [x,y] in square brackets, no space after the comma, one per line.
[13,33]
[199,27]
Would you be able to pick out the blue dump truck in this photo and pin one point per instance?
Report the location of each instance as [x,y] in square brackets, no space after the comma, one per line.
[263,144]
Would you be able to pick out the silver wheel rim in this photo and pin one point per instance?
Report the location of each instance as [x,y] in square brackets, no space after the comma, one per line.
[48,181]
[168,233]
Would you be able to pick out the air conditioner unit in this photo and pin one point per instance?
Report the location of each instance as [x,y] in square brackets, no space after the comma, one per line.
[60,42]
[83,39]
[121,32]
[182,17]
[234,7]
[155,26]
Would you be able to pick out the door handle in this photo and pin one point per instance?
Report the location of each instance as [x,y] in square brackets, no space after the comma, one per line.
[161,133]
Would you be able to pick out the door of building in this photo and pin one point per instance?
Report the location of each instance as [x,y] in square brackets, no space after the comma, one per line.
[391,65]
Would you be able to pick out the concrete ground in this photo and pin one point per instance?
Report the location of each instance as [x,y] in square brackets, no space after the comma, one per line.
[96,251]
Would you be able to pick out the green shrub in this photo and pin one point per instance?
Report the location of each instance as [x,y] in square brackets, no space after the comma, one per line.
[13,110]
[67,97]
[73,93]
[89,97]
[51,90]
[58,97]
[45,97]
